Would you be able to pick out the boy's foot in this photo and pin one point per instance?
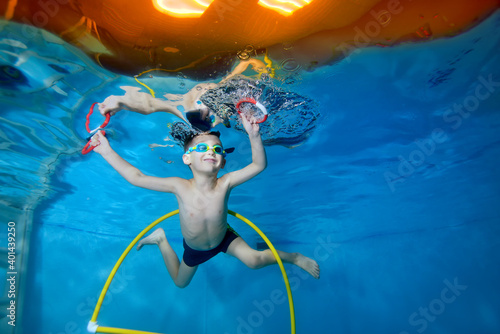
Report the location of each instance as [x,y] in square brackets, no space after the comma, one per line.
[152,239]
[308,265]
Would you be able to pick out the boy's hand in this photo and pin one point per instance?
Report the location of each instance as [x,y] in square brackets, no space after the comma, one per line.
[251,127]
[133,100]
[100,142]
[112,104]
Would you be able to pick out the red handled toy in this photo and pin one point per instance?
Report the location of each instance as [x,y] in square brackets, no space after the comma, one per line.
[257,104]
[88,148]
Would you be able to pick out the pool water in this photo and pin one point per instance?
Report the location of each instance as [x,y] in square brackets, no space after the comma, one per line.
[395,193]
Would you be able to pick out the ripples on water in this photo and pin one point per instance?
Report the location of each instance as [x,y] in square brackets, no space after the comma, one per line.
[292,117]
[40,93]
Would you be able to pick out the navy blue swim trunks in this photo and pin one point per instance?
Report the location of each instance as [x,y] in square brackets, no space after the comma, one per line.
[193,257]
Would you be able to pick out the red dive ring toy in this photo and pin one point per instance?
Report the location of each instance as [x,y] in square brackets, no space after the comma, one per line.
[257,104]
[88,148]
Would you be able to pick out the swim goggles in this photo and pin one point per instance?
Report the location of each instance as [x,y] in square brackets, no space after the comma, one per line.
[202,147]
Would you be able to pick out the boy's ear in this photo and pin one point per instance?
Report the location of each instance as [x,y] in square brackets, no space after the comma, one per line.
[186,158]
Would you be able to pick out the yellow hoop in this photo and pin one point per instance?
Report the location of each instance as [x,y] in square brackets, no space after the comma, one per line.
[94,328]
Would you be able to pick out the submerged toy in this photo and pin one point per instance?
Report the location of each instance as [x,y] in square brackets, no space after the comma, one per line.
[259,116]
[93,327]
[88,148]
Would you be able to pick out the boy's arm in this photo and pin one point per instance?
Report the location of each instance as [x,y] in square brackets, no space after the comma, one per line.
[259,159]
[129,172]
[140,102]
[257,65]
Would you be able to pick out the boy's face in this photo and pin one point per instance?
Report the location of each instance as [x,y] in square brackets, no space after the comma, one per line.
[207,161]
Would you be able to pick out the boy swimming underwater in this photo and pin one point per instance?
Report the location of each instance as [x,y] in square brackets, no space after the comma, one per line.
[203,205]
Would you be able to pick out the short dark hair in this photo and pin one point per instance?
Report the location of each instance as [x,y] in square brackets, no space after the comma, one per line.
[183,134]
[189,139]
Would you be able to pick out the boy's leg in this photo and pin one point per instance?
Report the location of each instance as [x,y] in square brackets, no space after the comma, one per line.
[257,259]
[181,273]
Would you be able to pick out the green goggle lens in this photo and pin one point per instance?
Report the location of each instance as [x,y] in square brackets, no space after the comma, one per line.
[202,147]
